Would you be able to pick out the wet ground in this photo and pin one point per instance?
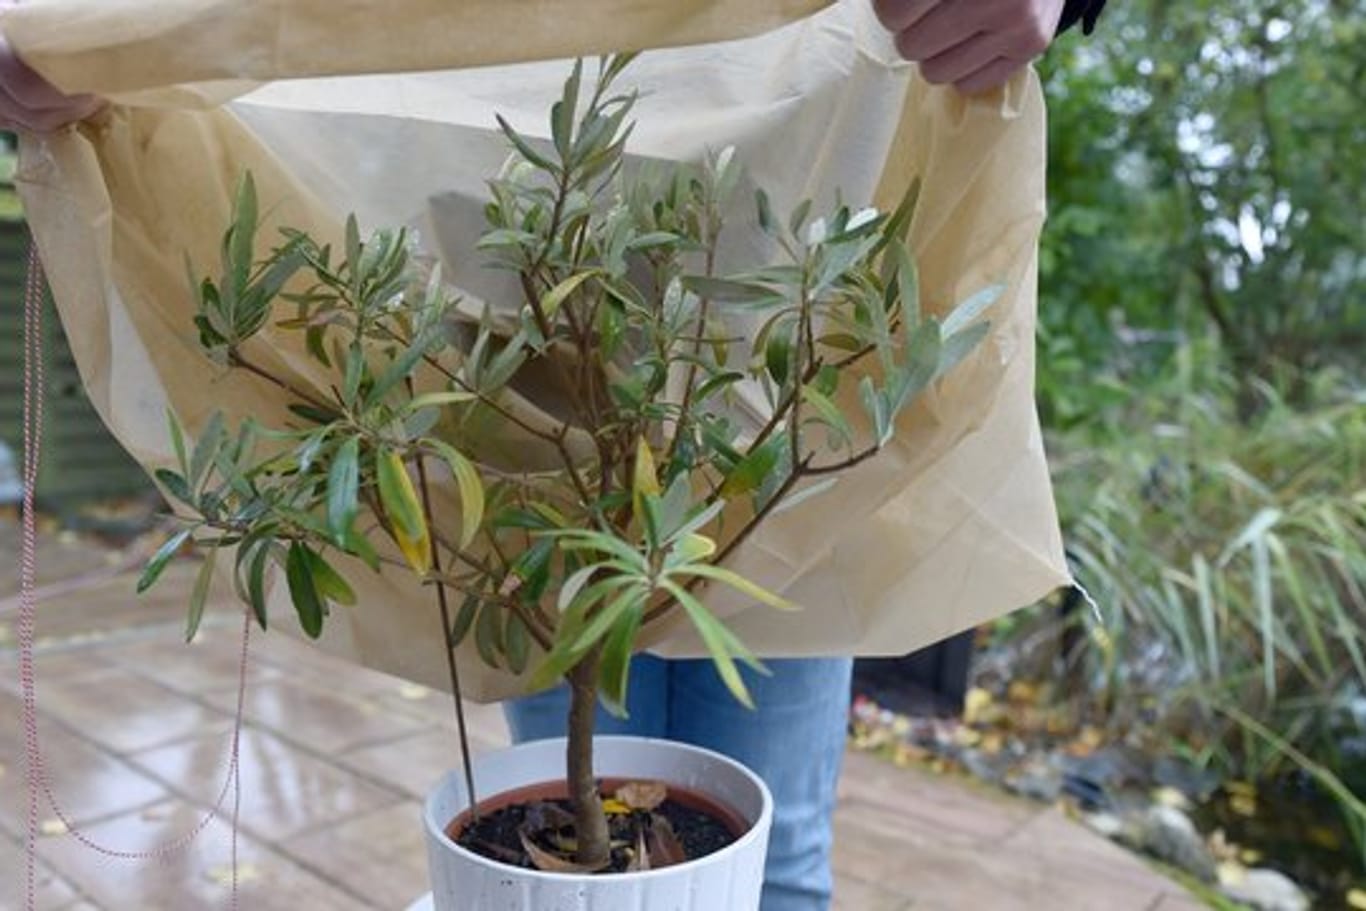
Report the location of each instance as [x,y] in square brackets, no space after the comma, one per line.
[335,759]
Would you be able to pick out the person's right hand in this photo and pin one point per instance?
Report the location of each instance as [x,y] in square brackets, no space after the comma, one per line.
[29,103]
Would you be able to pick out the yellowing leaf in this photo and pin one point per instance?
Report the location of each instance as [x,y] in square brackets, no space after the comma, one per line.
[1243,805]
[646,478]
[400,502]
[556,297]
[1356,898]
[695,547]
[975,705]
[613,807]
[742,585]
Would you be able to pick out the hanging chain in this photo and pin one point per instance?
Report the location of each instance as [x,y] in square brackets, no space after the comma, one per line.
[37,780]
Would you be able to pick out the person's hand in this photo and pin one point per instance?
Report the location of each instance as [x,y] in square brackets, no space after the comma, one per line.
[975,45]
[29,103]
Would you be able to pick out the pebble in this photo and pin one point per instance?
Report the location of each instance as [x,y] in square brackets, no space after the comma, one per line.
[1169,835]
[1263,889]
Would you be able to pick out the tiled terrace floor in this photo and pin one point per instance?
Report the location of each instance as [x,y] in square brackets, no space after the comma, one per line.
[136,726]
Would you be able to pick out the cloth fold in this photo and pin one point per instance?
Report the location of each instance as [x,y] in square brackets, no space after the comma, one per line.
[392,119]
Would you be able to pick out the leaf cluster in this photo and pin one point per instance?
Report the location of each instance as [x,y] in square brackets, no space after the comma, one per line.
[659,477]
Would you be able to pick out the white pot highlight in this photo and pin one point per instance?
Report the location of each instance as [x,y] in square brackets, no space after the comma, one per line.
[728,880]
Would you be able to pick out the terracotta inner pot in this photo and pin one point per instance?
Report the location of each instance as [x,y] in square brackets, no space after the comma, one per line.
[559,790]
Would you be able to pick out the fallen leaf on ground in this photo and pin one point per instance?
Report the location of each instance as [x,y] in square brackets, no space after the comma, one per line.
[665,848]
[1243,804]
[550,863]
[642,795]
[975,705]
[640,854]
[1171,797]
[222,875]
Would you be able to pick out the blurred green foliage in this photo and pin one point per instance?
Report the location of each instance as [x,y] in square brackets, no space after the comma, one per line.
[1201,378]
[1206,176]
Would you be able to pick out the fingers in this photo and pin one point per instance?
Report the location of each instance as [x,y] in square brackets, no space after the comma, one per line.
[899,15]
[992,76]
[962,60]
[974,45]
[947,25]
[31,104]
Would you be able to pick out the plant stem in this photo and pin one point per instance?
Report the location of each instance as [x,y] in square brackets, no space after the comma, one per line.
[452,669]
[236,360]
[590,822]
[812,471]
[703,309]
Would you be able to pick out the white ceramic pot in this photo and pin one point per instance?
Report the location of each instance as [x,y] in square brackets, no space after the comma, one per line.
[728,880]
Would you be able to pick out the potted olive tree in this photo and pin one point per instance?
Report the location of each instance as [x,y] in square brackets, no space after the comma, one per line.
[556,570]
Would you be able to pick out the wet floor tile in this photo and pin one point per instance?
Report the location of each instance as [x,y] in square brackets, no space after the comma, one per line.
[922,868]
[284,789]
[210,664]
[52,892]
[434,709]
[380,855]
[855,895]
[89,783]
[50,666]
[198,877]
[107,611]
[413,764]
[895,801]
[1092,872]
[125,712]
[326,721]
[308,664]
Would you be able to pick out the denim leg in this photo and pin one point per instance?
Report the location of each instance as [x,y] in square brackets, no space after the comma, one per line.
[546,714]
[795,742]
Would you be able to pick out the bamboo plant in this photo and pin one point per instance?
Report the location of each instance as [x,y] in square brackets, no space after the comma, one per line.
[655,480]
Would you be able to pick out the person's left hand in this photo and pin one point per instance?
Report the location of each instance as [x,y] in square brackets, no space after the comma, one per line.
[28,102]
[975,45]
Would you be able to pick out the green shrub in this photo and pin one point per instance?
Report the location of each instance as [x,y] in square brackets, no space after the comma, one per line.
[1227,558]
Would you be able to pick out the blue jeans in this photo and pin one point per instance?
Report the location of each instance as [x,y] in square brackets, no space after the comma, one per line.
[795,742]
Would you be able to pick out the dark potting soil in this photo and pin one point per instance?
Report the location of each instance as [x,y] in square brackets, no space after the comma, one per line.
[496,835]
